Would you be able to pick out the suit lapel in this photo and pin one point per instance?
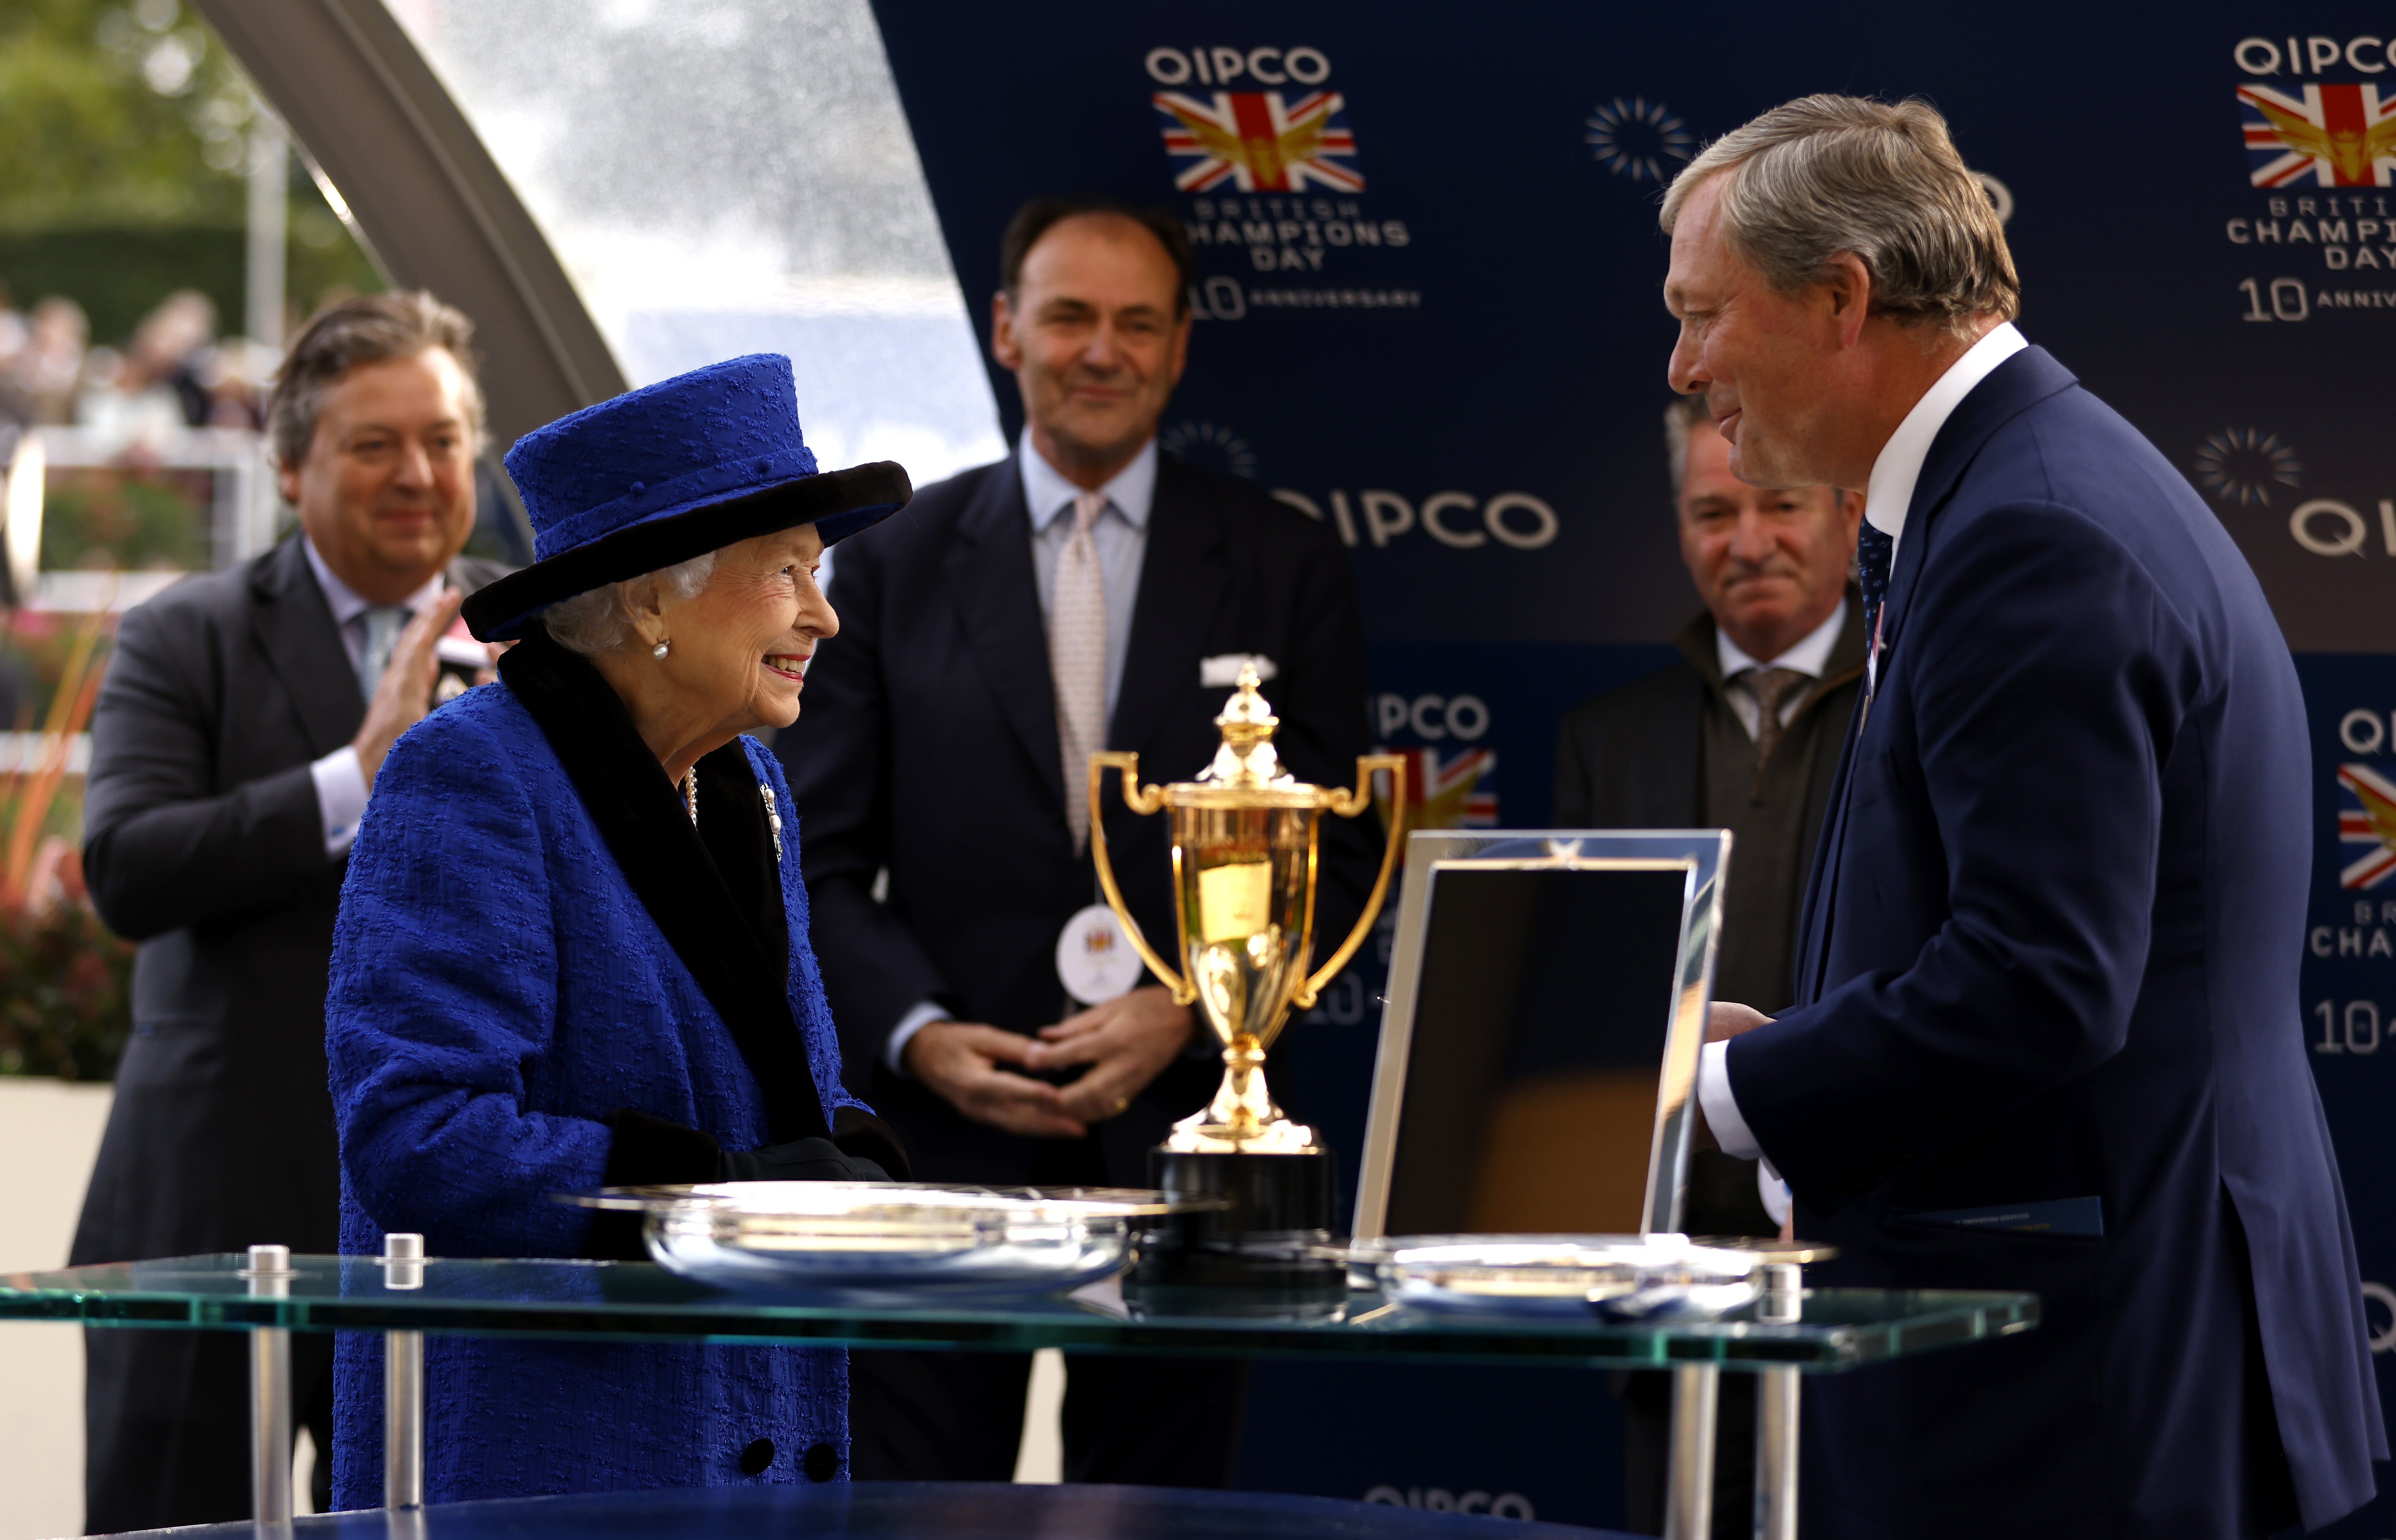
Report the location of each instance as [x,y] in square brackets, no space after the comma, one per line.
[989,570]
[2028,376]
[1674,797]
[1183,576]
[295,636]
[1814,926]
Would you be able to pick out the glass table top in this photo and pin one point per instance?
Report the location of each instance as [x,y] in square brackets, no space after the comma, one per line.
[900,1510]
[1839,1329]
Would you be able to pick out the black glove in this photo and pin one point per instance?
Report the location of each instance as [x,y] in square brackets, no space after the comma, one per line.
[800,1160]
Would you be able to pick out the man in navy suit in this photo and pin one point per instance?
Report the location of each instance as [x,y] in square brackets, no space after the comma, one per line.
[1087,592]
[2047,1033]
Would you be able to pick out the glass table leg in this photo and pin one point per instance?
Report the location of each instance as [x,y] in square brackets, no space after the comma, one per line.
[1775,1413]
[1689,1490]
[402,1383]
[270,1393]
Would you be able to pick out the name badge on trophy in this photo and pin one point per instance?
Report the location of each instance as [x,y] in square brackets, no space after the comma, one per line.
[1094,960]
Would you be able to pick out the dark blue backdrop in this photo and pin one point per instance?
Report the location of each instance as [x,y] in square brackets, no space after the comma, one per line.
[1445,339]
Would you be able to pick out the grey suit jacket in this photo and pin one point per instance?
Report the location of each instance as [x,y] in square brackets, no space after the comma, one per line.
[203,841]
[1629,758]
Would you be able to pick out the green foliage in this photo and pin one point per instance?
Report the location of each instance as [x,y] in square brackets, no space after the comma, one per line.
[124,130]
[117,114]
[126,519]
[65,993]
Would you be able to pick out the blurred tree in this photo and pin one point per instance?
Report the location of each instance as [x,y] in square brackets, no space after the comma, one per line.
[125,127]
[116,115]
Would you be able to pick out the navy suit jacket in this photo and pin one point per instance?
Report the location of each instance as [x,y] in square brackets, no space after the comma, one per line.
[2049,952]
[927,748]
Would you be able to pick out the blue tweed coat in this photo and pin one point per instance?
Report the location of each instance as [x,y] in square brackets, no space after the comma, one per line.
[498,989]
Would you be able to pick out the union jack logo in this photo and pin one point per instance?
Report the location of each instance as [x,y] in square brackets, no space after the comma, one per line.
[2342,136]
[1446,793]
[1259,141]
[2371,823]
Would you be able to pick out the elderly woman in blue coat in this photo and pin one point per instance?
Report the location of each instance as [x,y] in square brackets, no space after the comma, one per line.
[573,944]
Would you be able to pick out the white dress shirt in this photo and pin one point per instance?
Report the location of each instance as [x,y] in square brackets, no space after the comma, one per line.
[1121,535]
[1810,657]
[1887,497]
[340,781]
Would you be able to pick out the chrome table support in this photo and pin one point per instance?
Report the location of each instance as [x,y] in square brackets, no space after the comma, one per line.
[1689,1496]
[403,1382]
[1776,1411]
[270,1393]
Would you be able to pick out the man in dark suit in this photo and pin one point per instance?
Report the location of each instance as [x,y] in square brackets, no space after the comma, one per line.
[1088,592]
[233,745]
[2046,1034]
[1742,733]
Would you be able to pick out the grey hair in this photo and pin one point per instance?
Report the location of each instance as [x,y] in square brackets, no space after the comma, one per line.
[597,620]
[1685,412]
[1824,175]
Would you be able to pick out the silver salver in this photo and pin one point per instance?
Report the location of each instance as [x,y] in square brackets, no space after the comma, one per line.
[889,1237]
[1621,1277]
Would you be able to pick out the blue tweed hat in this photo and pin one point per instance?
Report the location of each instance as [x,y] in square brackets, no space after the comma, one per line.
[667,472]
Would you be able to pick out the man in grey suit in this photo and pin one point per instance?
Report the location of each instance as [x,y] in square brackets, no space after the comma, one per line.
[1743,732]
[234,748]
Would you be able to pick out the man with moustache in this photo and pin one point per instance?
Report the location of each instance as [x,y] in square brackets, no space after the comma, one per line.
[1742,733]
[1088,592]
[234,747]
[2046,1034]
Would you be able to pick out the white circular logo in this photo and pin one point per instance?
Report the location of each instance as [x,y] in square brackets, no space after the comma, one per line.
[1094,960]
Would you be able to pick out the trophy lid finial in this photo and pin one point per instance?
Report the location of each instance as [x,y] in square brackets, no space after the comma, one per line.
[1247,722]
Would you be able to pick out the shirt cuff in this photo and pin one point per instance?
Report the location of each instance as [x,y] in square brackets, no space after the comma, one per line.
[1720,1108]
[1774,1191]
[894,1052]
[341,798]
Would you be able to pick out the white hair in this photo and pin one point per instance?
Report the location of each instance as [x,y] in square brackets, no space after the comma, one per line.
[598,620]
[1829,174]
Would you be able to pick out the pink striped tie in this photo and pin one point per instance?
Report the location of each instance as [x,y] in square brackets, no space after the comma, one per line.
[1077,659]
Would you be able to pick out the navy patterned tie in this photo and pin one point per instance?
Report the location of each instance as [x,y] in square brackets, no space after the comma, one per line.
[1872,549]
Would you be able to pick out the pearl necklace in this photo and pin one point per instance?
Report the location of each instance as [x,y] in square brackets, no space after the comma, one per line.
[690,795]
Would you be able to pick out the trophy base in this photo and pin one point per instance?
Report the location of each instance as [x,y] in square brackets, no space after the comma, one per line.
[1280,1210]
[1199,1135]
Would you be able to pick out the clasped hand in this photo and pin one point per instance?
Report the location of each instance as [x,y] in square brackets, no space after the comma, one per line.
[1127,1042]
[1723,1021]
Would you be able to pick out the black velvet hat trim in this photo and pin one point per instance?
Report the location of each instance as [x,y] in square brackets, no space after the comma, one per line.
[841,502]
[641,818]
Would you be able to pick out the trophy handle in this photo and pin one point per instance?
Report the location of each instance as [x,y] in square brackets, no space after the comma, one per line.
[1347,804]
[1142,802]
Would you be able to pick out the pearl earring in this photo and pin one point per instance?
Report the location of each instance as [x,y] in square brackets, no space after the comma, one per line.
[660,650]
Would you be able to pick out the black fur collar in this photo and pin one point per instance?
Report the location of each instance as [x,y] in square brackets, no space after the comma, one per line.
[715,892]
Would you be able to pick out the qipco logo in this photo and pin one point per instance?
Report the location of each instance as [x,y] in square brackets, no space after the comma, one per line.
[1217,66]
[1499,1505]
[2328,528]
[1430,718]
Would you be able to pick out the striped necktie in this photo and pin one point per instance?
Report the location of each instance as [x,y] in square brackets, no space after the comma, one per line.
[1771,688]
[383,624]
[1077,659]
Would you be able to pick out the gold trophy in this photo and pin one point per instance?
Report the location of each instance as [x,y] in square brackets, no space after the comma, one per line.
[1244,867]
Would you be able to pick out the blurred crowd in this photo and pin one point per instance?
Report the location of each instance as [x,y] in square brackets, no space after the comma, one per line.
[173,373]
